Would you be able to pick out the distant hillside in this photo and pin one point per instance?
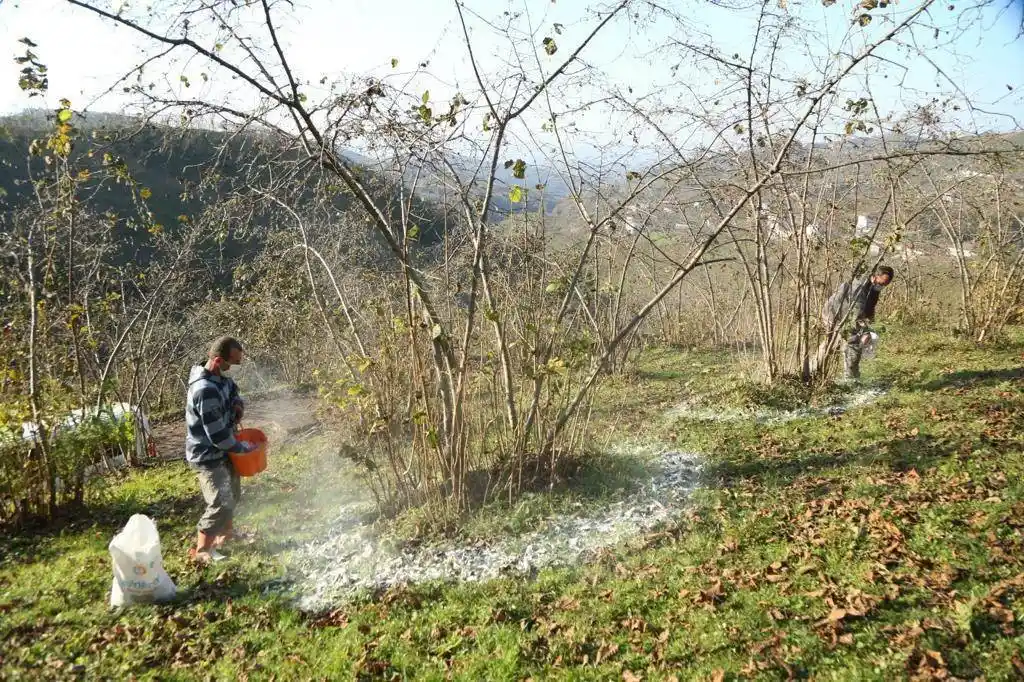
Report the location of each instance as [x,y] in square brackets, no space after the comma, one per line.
[170,163]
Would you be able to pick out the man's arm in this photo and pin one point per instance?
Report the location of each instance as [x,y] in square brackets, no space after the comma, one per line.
[236,404]
[216,422]
[835,307]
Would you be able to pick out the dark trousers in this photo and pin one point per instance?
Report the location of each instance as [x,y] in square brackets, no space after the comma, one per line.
[851,356]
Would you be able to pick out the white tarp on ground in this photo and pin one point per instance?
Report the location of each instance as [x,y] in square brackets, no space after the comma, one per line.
[111,413]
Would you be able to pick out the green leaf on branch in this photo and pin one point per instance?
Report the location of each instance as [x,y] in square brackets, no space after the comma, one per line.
[519,169]
[556,365]
[394,62]
[556,287]
[426,96]
[864,19]
[515,195]
[549,46]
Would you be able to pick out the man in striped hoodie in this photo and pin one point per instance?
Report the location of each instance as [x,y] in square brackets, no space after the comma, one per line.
[212,410]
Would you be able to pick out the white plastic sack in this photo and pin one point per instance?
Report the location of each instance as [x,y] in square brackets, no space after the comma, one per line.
[139,575]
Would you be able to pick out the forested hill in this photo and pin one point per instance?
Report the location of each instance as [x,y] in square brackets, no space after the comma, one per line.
[173,167]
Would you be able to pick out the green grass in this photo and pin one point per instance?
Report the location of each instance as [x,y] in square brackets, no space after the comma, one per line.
[882,544]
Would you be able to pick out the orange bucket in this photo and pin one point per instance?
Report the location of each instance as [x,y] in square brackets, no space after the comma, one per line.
[250,463]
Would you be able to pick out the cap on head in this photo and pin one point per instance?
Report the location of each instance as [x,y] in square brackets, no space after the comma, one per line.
[222,348]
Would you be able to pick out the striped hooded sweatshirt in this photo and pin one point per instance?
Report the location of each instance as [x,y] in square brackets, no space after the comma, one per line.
[209,415]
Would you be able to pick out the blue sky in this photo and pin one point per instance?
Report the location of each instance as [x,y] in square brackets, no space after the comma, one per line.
[332,38]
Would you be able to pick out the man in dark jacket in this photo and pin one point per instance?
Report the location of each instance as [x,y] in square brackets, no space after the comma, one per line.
[212,410]
[855,301]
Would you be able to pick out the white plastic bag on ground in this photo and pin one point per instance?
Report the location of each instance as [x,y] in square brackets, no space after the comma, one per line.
[139,575]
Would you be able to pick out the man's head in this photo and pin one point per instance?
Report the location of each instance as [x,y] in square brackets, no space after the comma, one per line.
[225,352]
[882,275]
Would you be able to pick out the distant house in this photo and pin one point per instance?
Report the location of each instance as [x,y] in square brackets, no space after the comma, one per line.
[964,173]
[968,253]
[812,231]
[865,225]
[908,252]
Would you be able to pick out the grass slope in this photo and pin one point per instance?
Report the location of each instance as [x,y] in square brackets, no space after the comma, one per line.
[886,543]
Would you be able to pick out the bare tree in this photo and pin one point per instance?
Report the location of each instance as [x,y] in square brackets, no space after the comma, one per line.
[521,389]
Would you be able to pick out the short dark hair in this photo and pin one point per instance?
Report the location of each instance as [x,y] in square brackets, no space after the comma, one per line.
[885,270]
[222,347]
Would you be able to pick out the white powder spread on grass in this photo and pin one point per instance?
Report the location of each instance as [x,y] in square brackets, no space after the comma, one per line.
[351,557]
[694,411]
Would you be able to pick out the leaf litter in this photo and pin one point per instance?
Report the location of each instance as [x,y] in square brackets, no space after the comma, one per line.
[353,555]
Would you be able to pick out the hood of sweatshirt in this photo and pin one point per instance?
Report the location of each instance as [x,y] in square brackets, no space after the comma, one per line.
[196,373]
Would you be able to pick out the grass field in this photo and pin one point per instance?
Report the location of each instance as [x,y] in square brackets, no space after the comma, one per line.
[885,543]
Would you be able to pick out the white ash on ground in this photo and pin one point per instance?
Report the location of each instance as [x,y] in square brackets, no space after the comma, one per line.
[693,410]
[352,557]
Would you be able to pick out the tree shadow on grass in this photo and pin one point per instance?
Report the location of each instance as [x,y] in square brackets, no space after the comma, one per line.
[974,378]
[899,454]
[36,542]
[661,375]
[226,584]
